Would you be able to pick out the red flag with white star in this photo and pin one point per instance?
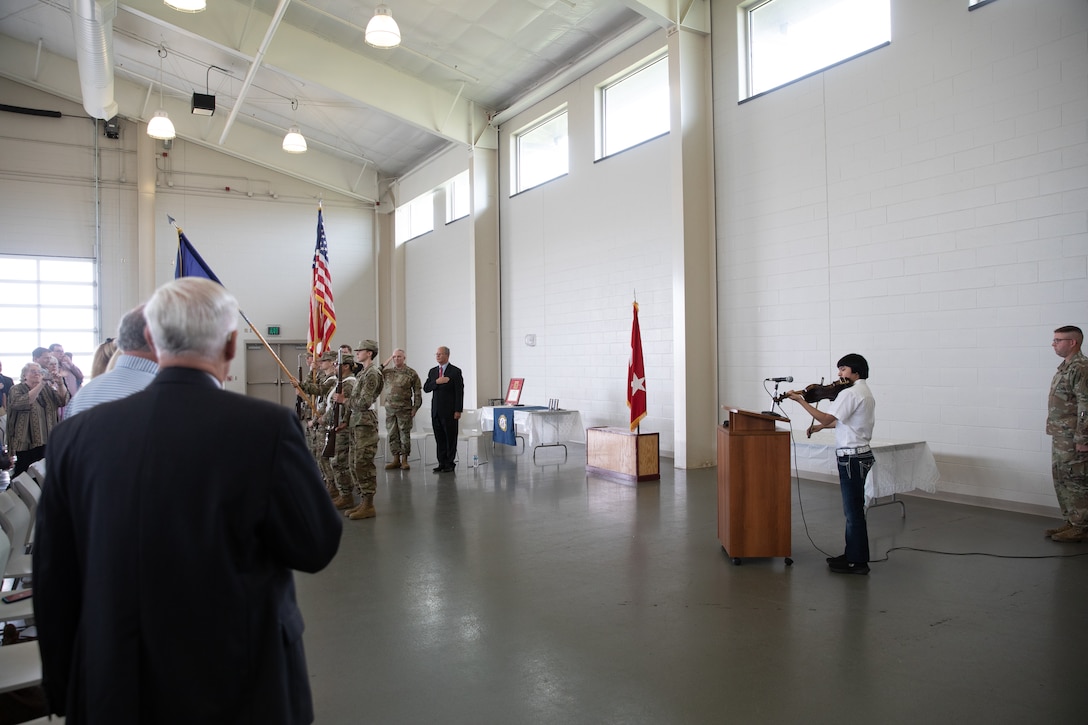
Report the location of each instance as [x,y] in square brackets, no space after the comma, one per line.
[636,376]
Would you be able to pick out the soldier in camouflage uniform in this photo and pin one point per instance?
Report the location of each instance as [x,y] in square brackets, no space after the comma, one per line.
[318,386]
[1067,424]
[403,398]
[340,463]
[364,426]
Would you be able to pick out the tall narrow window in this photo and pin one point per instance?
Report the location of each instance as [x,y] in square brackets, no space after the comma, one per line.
[45,301]
[458,198]
[788,39]
[414,218]
[635,108]
[541,152]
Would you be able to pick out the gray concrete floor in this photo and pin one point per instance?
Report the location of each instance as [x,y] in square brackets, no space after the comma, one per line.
[520,593]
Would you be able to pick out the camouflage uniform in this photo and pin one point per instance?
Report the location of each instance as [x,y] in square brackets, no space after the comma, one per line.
[340,464]
[319,388]
[1067,423]
[403,397]
[364,427]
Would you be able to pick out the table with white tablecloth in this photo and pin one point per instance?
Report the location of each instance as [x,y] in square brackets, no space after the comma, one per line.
[901,466]
[540,427]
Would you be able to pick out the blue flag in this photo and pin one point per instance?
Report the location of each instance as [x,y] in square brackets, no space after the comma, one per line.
[189,262]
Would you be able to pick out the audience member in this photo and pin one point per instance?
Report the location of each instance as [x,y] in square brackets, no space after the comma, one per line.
[6,384]
[135,369]
[179,492]
[73,376]
[102,357]
[32,415]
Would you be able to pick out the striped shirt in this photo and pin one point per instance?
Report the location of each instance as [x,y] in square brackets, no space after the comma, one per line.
[131,375]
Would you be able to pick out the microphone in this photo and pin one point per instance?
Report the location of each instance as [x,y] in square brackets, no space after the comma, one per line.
[787,379]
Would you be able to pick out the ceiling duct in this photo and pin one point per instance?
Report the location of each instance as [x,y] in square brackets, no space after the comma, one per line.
[93,24]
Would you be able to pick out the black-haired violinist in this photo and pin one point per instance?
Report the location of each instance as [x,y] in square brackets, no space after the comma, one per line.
[852,414]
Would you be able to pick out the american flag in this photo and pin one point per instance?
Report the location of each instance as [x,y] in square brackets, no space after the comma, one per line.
[322,313]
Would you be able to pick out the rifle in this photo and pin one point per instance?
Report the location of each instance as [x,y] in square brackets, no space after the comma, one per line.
[330,434]
[298,398]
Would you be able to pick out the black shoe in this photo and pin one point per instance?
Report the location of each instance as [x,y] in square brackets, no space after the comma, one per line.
[448,469]
[438,470]
[848,567]
[841,558]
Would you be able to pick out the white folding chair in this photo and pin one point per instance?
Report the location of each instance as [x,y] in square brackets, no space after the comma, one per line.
[383,435]
[37,472]
[470,431]
[22,609]
[30,492]
[15,522]
[421,431]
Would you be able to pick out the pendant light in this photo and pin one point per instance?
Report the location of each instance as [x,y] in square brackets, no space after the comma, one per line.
[293,142]
[186,6]
[382,30]
[160,126]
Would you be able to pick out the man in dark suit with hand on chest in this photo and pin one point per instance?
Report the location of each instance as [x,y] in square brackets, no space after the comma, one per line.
[447,389]
[167,536]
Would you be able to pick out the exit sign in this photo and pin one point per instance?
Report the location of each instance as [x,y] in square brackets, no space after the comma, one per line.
[273,329]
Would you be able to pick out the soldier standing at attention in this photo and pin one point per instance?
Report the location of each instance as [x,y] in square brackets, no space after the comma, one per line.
[364,426]
[1067,424]
[403,399]
[319,386]
[340,463]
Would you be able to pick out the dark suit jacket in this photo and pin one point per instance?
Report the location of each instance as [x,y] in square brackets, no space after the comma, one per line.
[166,535]
[447,398]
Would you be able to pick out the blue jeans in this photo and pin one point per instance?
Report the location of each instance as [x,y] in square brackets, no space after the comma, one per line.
[852,473]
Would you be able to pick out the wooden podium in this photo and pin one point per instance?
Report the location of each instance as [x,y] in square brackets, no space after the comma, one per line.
[754,516]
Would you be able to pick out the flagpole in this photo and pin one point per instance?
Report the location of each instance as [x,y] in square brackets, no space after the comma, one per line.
[305,396]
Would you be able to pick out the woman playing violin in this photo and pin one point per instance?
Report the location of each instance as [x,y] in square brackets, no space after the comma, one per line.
[852,415]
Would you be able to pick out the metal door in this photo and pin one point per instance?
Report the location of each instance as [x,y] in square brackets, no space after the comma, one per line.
[264,378]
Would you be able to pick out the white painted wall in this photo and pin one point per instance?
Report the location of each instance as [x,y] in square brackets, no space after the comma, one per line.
[925,205]
[260,247]
[574,252]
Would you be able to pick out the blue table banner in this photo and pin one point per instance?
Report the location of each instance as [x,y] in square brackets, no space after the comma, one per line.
[504,431]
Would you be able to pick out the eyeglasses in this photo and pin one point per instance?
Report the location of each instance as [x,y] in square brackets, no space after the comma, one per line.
[1057,340]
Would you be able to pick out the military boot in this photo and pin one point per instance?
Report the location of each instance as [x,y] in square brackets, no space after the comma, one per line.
[1072,535]
[1061,529]
[344,501]
[395,463]
[365,510]
[404,464]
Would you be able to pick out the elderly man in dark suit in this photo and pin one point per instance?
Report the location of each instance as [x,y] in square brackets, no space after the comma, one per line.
[166,537]
[447,389]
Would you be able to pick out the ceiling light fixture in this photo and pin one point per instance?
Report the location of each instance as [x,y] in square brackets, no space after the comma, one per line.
[293,142]
[382,30]
[186,6]
[160,126]
[204,103]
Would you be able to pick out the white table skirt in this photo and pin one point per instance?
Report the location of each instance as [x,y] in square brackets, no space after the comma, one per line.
[540,427]
[901,466]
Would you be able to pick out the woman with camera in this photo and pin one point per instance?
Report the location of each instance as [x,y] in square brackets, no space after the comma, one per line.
[32,414]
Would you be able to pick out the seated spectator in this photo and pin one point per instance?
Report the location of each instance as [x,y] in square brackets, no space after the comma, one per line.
[32,415]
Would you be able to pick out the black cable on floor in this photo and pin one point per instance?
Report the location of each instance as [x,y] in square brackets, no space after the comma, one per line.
[975,553]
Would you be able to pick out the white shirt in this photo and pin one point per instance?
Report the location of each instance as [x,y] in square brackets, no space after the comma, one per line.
[855,412]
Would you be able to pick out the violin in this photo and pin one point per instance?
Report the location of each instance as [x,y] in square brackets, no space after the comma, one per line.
[817,391]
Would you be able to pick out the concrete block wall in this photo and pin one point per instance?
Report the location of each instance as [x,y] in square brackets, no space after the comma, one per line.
[925,205]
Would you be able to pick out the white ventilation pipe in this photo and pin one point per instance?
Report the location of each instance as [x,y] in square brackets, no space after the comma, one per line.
[92,21]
